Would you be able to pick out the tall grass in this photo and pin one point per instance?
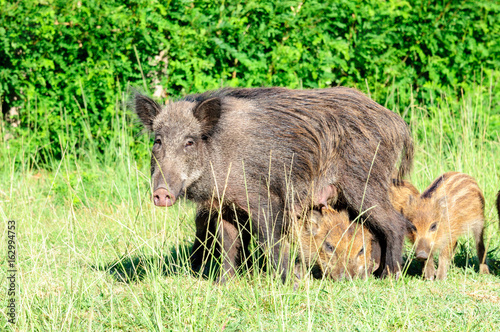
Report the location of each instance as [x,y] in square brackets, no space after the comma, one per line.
[95,254]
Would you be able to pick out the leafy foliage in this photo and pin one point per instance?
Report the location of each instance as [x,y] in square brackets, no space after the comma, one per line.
[75,59]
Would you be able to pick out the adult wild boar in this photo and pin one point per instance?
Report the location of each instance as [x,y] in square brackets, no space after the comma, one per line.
[274,152]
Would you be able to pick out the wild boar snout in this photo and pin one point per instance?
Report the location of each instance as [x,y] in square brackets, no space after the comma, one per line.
[423,249]
[422,255]
[162,197]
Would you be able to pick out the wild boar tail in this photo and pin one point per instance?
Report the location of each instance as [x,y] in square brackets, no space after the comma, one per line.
[406,157]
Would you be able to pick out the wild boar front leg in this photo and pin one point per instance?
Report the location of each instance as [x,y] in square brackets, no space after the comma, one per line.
[230,244]
[429,269]
[445,257]
[210,226]
[204,238]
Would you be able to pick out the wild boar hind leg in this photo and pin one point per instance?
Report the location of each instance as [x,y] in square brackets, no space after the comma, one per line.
[481,250]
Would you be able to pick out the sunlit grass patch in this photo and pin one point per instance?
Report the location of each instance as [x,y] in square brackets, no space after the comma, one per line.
[95,254]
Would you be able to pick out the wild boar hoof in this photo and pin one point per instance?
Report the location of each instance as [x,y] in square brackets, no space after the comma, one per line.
[483,269]
[441,276]
[221,280]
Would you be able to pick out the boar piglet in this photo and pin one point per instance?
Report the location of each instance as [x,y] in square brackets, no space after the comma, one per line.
[342,248]
[271,154]
[452,206]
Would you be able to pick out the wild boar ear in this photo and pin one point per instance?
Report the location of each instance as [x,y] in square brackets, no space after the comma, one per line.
[314,222]
[411,200]
[147,109]
[410,206]
[441,205]
[411,227]
[344,215]
[208,113]
[442,202]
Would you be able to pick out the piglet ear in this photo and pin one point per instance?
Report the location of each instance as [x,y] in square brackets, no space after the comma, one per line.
[344,215]
[208,113]
[442,202]
[314,222]
[442,205]
[147,110]
[412,200]
[410,207]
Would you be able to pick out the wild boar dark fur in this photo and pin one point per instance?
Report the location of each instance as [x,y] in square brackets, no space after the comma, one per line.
[275,152]
[230,230]
[498,206]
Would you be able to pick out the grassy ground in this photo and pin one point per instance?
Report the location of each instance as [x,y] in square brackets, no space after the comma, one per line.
[95,254]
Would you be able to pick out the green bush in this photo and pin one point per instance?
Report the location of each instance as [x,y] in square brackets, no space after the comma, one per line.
[67,65]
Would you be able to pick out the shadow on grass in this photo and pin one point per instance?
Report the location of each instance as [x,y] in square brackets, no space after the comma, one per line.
[133,268]
[463,259]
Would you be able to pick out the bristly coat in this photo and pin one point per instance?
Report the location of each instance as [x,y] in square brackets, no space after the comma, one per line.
[342,248]
[272,153]
[452,206]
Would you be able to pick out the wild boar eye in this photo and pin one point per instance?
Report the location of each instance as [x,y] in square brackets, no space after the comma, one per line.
[361,252]
[189,143]
[433,227]
[157,142]
[328,247]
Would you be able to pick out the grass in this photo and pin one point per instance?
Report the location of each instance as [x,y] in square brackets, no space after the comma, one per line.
[95,254]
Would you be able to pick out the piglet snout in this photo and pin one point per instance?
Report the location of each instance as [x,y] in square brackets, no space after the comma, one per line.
[422,255]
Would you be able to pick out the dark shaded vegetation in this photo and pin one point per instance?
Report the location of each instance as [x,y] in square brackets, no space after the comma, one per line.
[65,66]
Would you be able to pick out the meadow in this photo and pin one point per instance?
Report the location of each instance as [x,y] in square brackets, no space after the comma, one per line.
[95,254]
